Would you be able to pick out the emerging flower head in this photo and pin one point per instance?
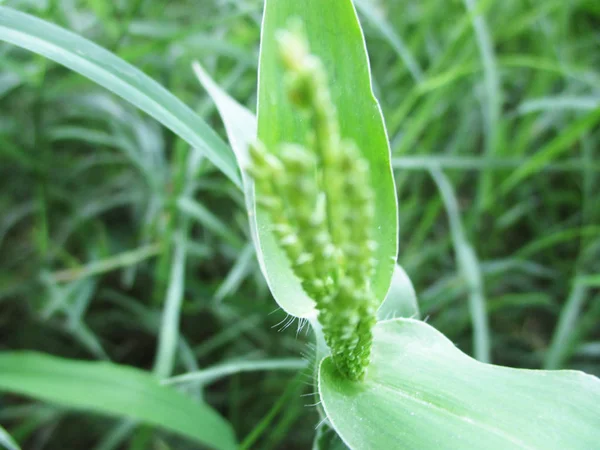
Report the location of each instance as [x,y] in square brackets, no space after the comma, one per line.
[321,204]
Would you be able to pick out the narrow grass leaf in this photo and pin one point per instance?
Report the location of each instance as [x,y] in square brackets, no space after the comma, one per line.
[559,103]
[562,343]
[468,264]
[553,149]
[477,163]
[493,95]
[114,390]
[115,437]
[241,127]
[119,261]
[212,374]
[265,425]
[111,72]
[383,26]
[7,441]
[169,330]
[422,392]
[590,280]
[238,273]
[209,220]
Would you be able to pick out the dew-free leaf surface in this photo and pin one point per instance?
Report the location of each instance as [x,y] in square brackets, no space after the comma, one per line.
[116,75]
[421,392]
[115,390]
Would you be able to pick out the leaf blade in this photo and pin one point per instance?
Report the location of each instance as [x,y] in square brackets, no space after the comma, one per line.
[422,392]
[6,441]
[114,390]
[116,75]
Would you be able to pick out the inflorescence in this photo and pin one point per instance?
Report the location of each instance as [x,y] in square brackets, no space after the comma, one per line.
[321,204]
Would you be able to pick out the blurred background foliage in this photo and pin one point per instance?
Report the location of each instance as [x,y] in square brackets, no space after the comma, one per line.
[498,100]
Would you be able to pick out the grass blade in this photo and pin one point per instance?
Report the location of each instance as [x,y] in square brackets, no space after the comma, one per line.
[169,330]
[493,95]
[111,72]
[7,441]
[395,40]
[561,343]
[263,426]
[114,390]
[553,149]
[121,260]
[469,267]
[212,374]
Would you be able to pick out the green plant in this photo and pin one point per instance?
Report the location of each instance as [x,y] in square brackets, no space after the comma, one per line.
[419,385]
[418,390]
[321,205]
[416,377]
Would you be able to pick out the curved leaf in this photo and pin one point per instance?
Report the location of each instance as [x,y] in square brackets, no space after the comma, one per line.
[111,72]
[335,36]
[401,299]
[115,390]
[327,439]
[6,441]
[421,392]
[240,125]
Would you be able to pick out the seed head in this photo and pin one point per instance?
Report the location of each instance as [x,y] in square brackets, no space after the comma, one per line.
[321,203]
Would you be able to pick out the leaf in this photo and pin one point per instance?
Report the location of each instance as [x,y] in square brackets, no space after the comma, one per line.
[335,36]
[401,299]
[240,125]
[553,149]
[111,72]
[563,338]
[114,390]
[469,267]
[379,23]
[215,373]
[421,392]
[327,439]
[6,441]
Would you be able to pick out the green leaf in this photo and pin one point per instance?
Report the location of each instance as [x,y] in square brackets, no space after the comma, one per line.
[468,265]
[6,441]
[421,392]
[241,128]
[240,125]
[335,36]
[401,299]
[111,72]
[327,439]
[114,390]
[553,149]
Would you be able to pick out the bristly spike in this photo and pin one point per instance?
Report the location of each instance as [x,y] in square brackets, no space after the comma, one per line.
[321,203]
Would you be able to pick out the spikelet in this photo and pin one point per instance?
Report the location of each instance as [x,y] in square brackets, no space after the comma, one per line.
[321,203]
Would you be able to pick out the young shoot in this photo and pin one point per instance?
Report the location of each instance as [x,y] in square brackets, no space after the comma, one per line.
[321,204]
